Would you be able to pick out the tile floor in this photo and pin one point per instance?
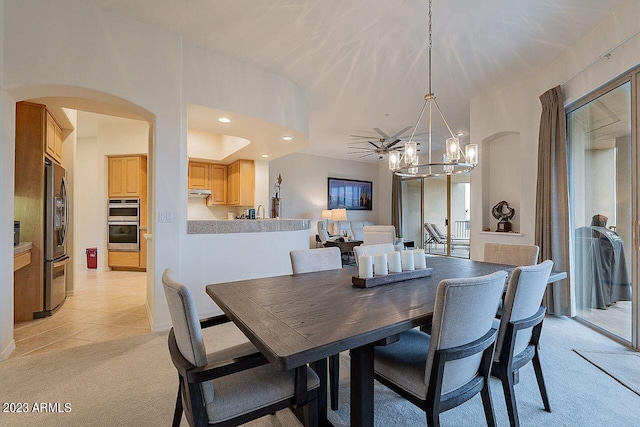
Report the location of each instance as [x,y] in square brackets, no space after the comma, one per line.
[106,305]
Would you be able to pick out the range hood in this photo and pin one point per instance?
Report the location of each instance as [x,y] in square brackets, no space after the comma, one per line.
[196,192]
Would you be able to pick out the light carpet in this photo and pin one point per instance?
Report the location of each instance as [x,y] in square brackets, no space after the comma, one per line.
[131,382]
[624,366]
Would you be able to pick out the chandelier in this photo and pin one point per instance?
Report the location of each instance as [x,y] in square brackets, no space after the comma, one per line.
[406,162]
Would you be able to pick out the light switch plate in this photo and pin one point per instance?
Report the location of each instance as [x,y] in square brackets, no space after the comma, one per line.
[165,216]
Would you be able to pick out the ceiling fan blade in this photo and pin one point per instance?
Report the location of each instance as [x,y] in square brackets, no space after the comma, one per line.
[366,155]
[362,136]
[384,135]
[377,146]
[393,143]
[400,133]
[361,148]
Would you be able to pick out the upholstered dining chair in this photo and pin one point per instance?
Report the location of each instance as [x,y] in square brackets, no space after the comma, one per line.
[229,387]
[519,333]
[440,371]
[308,261]
[508,254]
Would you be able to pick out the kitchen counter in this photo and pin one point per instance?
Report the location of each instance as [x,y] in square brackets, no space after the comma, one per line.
[246,226]
[22,247]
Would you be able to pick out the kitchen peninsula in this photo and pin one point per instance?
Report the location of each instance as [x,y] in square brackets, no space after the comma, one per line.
[228,250]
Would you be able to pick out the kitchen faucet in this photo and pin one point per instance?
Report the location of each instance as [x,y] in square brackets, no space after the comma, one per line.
[258,212]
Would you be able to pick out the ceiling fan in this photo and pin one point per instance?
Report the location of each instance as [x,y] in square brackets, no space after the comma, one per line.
[379,145]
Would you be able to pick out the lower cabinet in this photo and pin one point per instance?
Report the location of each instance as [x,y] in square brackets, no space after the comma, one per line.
[119,259]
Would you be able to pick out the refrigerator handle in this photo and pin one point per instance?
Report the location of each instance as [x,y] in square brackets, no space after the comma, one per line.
[65,210]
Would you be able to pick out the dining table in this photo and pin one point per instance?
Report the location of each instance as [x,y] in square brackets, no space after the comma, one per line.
[299,319]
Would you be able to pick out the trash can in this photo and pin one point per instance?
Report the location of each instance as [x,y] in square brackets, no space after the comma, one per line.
[92,257]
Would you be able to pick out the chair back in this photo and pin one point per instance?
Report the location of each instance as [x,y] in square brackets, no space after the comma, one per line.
[323,234]
[523,299]
[309,260]
[502,253]
[376,234]
[357,230]
[184,317]
[434,234]
[382,248]
[464,312]
[437,231]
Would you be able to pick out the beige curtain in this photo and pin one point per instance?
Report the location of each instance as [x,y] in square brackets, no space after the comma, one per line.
[396,204]
[552,198]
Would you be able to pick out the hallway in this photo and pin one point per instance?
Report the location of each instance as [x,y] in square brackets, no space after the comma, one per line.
[106,305]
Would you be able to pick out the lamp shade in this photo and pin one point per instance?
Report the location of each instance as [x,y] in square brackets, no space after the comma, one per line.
[338,214]
[326,214]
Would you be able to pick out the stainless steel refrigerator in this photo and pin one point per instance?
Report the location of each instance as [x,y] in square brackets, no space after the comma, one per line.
[55,231]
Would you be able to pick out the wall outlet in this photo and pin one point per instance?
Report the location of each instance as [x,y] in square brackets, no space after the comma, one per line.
[165,216]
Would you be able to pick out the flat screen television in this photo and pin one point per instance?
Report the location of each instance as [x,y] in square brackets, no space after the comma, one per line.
[350,194]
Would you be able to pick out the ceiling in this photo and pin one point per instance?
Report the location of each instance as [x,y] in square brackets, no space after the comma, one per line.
[362,63]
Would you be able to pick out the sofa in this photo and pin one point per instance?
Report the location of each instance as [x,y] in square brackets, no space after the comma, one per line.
[335,229]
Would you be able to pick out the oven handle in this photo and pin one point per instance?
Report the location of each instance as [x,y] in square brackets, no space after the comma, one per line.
[137,223]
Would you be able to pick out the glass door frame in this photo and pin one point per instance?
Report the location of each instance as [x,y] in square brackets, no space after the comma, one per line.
[633,77]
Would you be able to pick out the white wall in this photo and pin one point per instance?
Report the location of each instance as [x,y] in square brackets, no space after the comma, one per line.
[91,185]
[304,186]
[70,48]
[516,108]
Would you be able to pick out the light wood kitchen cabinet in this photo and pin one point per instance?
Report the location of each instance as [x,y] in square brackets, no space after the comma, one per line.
[124,260]
[240,183]
[127,176]
[199,176]
[218,174]
[53,139]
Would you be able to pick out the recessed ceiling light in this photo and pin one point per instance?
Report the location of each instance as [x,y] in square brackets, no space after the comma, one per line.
[460,134]
[224,120]
[265,156]
[287,138]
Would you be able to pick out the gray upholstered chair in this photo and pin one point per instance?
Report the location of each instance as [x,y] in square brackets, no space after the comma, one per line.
[503,253]
[519,333]
[308,261]
[441,371]
[229,387]
[381,248]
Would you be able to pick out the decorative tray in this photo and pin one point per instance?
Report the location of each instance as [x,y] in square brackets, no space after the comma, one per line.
[390,278]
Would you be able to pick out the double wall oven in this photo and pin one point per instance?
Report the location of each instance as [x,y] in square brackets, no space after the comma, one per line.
[124,225]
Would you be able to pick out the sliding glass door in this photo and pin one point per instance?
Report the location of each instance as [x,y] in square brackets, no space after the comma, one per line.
[430,205]
[603,191]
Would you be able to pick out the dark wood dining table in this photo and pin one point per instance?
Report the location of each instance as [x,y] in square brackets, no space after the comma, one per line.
[298,319]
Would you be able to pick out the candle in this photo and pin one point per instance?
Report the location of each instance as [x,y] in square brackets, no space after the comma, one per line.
[380,265]
[395,265]
[365,266]
[406,257]
[419,261]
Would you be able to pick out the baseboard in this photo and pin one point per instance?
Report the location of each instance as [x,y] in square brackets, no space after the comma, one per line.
[7,351]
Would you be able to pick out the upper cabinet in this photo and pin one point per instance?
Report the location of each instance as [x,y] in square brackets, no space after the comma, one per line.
[218,174]
[240,183]
[127,176]
[199,176]
[53,138]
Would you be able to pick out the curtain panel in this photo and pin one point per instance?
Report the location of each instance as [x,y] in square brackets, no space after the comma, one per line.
[396,204]
[552,232]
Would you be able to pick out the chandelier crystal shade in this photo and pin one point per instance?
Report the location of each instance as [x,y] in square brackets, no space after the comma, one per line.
[406,162]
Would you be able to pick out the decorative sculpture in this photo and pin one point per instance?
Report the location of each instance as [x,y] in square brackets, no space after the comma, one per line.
[504,213]
[275,201]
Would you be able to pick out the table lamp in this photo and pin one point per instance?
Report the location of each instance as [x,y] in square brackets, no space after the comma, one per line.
[338,215]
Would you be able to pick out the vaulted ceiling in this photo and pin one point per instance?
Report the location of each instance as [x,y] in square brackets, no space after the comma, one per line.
[363,63]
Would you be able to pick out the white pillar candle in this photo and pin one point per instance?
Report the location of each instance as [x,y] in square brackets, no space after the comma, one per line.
[380,265]
[419,261]
[406,257]
[393,259]
[365,266]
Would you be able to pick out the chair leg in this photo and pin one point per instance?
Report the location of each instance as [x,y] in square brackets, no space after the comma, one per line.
[537,367]
[433,419]
[510,398]
[487,404]
[334,379]
[177,414]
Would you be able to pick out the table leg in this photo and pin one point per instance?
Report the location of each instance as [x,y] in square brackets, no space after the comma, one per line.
[362,386]
[320,367]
